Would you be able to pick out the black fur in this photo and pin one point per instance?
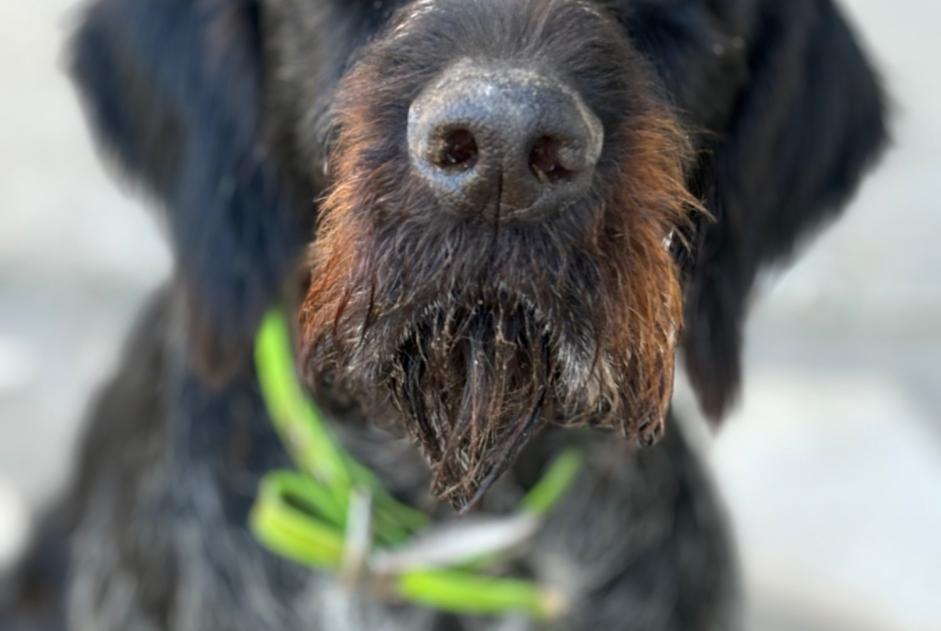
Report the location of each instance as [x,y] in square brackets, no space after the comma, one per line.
[808,123]
[174,91]
[222,110]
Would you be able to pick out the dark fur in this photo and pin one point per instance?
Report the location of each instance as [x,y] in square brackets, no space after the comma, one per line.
[234,113]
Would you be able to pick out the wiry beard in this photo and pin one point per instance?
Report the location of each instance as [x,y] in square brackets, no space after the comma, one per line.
[472,367]
[475,380]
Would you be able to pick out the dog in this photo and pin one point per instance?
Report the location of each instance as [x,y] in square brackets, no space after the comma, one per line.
[498,222]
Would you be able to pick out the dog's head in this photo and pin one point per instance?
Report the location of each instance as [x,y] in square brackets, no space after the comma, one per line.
[493,253]
[509,222]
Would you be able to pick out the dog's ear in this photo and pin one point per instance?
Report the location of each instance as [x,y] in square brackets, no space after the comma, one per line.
[173,91]
[808,122]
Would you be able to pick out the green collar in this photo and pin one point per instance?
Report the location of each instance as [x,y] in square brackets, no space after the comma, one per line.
[333,514]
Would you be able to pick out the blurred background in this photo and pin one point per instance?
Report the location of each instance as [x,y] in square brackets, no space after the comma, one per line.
[831,466]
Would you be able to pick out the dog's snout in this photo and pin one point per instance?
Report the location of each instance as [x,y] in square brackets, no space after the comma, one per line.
[503,142]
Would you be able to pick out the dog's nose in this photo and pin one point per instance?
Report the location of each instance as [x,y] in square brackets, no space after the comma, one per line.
[503,142]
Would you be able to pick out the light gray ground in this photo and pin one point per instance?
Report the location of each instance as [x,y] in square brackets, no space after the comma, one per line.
[831,467]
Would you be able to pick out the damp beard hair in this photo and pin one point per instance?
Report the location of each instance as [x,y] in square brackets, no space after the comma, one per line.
[470,380]
[473,384]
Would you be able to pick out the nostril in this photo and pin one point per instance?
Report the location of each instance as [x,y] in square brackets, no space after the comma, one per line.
[455,150]
[546,163]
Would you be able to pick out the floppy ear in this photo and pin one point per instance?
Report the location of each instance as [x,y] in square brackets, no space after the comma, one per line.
[807,124]
[173,90]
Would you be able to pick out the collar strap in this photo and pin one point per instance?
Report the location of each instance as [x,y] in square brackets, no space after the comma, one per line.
[333,514]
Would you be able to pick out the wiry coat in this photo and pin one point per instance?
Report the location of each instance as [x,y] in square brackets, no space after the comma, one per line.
[226,112]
